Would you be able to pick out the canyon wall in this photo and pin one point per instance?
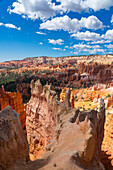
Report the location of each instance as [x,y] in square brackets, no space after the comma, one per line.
[13,143]
[72,138]
[16,102]
[71,143]
[41,115]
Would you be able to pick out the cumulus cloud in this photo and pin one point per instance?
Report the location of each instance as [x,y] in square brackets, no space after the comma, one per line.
[81,46]
[108,35]
[80,5]
[57,49]
[59,41]
[109,46]
[72,25]
[97,5]
[10,26]
[101,42]
[41,33]
[94,37]
[87,36]
[94,51]
[45,9]
[88,48]
[34,9]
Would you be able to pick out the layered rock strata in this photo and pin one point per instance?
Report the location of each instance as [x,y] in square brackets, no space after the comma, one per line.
[13,143]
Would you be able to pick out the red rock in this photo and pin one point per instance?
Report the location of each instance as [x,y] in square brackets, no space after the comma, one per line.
[107,144]
[41,118]
[16,101]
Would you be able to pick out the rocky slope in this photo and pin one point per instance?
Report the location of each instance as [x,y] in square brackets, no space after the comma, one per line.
[77,141]
[13,143]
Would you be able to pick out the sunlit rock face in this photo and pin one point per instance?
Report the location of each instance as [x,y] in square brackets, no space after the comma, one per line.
[13,143]
[40,118]
[16,102]
[62,98]
[107,144]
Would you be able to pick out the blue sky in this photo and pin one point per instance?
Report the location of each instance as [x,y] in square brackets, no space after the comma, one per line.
[30,28]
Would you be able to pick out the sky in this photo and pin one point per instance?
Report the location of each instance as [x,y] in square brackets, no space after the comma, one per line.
[31,28]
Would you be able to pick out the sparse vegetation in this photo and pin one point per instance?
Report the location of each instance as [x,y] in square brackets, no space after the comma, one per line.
[54,165]
[108,96]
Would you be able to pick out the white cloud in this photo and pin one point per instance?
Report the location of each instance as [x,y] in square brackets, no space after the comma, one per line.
[61,23]
[97,5]
[41,33]
[94,51]
[112,19]
[109,46]
[101,42]
[92,22]
[72,25]
[80,5]
[88,48]
[95,37]
[81,46]
[59,41]
[44,9]
[66,47]
[87,36]
[10,26]
[108,35]
[34,9]
[57,49]
[1,24]
[41,43]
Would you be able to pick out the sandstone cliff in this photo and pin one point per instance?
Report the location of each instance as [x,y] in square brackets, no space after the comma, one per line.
[41,115]
[16,102]
[13,143]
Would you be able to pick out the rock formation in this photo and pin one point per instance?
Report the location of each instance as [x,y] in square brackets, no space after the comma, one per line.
[107,144]
[72,138]
[16,102]
[77,141]
[62,97]
[41,115]
[13,143]
[109,101]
